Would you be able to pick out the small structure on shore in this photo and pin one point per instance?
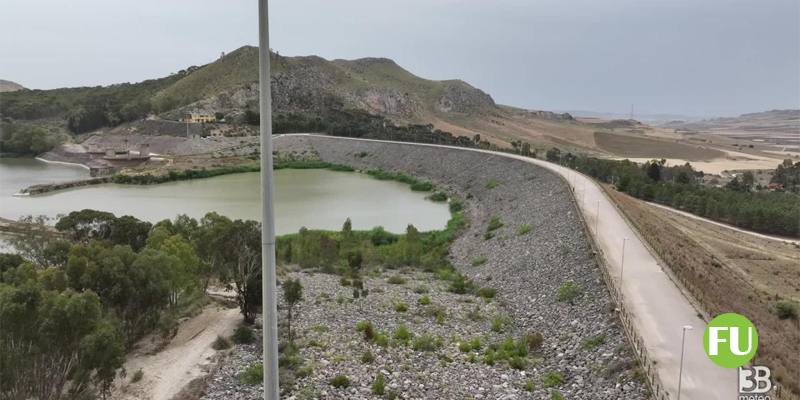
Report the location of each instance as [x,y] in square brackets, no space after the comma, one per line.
[198,118]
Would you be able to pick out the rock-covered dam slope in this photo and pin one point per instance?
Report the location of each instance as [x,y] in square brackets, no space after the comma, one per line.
[582,337]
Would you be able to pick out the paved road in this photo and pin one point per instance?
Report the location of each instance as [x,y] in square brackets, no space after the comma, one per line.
[658,306]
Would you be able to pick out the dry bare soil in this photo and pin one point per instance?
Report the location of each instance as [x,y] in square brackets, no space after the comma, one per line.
[729,271]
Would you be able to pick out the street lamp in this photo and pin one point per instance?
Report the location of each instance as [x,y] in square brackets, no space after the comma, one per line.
[597,218]
[269,305]
[622,264]
[683,342]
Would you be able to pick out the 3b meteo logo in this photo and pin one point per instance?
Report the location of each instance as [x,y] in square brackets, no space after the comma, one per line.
[731,341]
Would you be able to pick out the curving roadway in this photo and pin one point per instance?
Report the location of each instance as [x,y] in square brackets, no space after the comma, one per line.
[658,307]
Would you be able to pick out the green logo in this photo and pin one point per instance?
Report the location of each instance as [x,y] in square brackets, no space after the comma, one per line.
[730,340]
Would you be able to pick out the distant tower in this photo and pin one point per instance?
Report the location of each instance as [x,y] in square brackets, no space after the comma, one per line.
[631,111]
[222,54]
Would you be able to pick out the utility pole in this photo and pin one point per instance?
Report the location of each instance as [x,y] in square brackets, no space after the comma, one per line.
[680,371]
[269,304]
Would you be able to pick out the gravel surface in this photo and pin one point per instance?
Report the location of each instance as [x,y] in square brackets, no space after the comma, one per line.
[526,269]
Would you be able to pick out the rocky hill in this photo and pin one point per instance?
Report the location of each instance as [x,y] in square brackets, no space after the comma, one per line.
[8,86]
[314,85]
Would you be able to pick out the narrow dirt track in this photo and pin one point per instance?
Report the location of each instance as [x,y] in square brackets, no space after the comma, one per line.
[659,307]
[169,370]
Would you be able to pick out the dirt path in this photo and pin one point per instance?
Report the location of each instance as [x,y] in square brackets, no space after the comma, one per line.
[184,358]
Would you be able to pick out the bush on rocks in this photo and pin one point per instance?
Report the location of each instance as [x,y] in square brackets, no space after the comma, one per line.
[534,340]
[253,375]
[552,379]
[340,381]
[243,335]
[568,291]
[379,385]
[427,343]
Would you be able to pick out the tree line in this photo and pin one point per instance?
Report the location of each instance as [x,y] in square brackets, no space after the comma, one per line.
[73,302]
[772,212]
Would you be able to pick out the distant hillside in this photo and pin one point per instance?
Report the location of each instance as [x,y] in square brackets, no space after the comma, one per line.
[8,86]
[774,121]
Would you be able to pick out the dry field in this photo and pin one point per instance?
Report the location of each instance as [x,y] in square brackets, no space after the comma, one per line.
[728,271]
[637,147]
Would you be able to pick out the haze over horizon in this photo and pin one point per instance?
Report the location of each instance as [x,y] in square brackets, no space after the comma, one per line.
[717,58]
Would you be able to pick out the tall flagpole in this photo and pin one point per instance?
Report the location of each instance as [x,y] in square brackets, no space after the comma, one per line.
[269,303]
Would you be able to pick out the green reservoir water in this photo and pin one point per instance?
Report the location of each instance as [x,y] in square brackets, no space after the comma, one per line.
[318,199]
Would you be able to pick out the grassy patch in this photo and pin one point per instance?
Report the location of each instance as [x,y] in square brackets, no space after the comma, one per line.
[340,381]
[424,300]
[568,291]
[494,224]
[243,335]
[487,292]
[593,341]
[427,343]
[523,229]
[478,261]
[491,184]
[401,307]
[221,343]
[438,197]
[552,379]
[253,375]
[396,280]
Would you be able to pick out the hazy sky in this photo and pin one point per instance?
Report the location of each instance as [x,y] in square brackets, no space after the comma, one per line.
[696,57]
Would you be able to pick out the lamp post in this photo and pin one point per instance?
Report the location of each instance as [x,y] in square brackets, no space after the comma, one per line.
[597,218]
[269,305]
[622,263]
[680,373]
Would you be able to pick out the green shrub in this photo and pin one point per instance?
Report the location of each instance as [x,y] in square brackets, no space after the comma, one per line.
[424,300]
[221,343]
[470,345]
[378,386]
[137,376]
[243,335]
[488,357]
[786,309]
[253,375]
[556,395]
[422,186]
[304,371]
[421,289]
[568,291]
[478,261]
[427,343]
[487,292]
[517,362]
[523,229]
[534,340]
[593,341]
[396,280]
[401,307]
[367,328]
[501,323]
[381,339]
[438,197]
[494,224]
[491,184]
[552,379]
[340,381]
[344,281]
[367,357]
[529,385]
[456,206]
[402,335]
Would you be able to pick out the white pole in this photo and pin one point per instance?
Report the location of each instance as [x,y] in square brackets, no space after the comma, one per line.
[622,264]
[597,218]
[680,373]
[269,305]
